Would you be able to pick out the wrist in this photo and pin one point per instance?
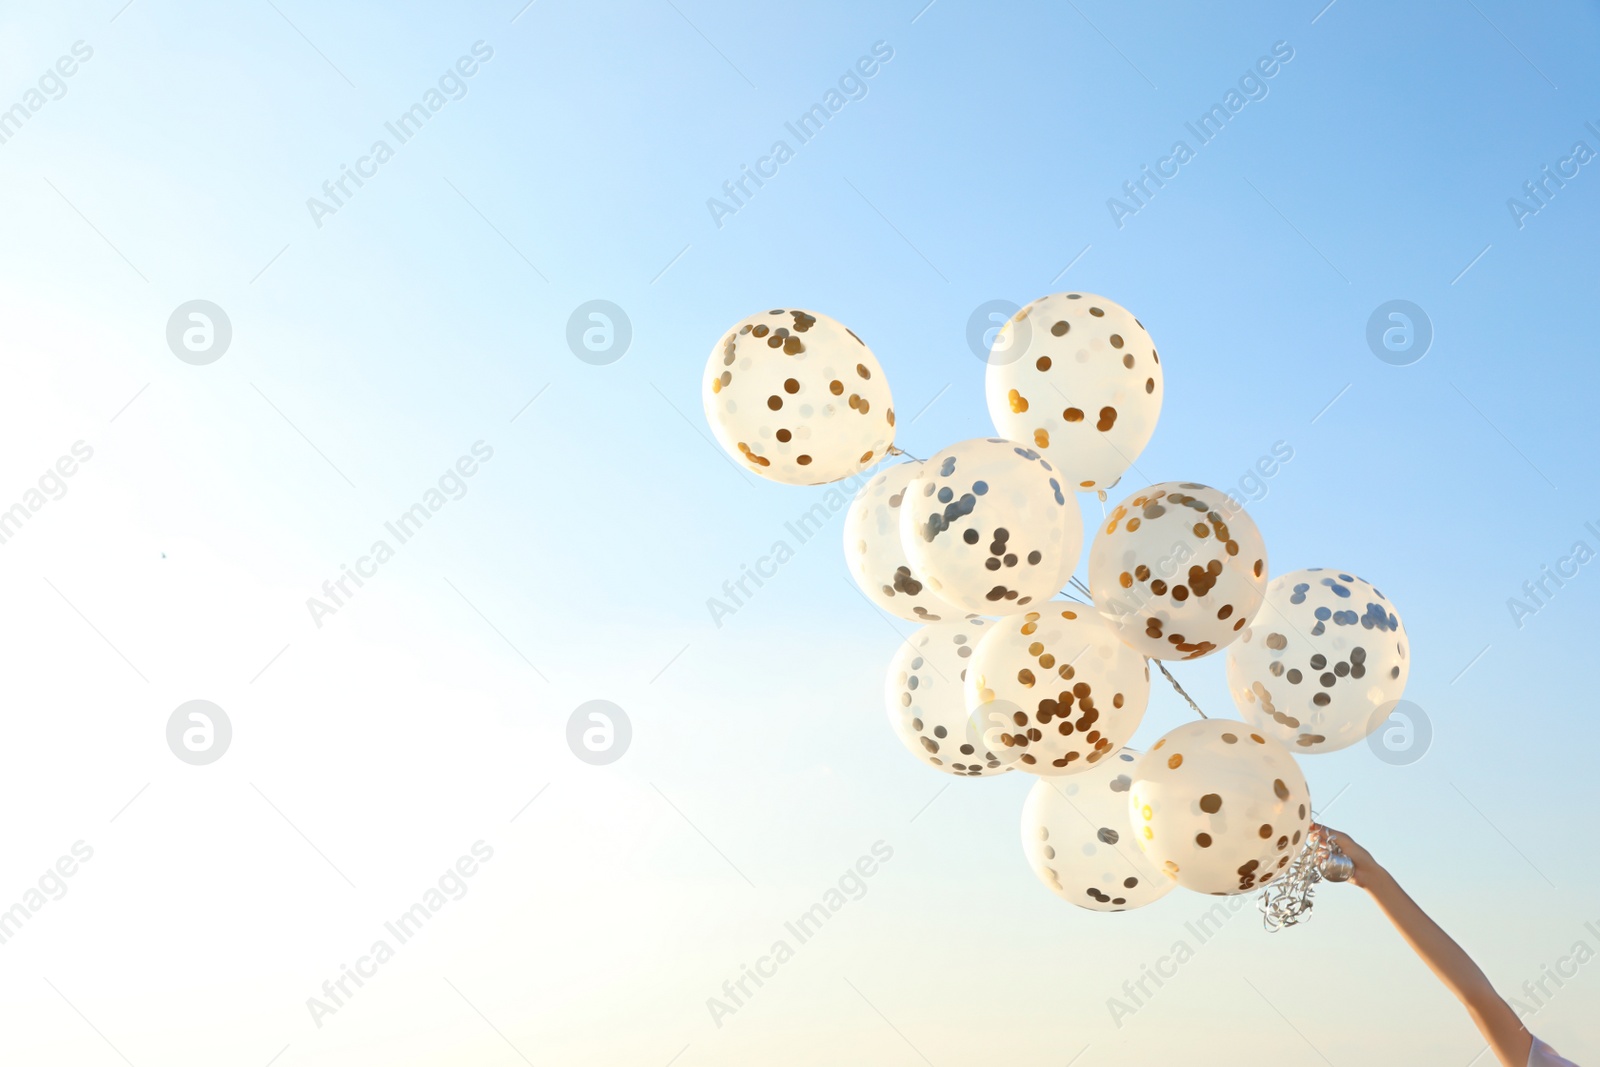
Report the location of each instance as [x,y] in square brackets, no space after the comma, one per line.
[1372,877]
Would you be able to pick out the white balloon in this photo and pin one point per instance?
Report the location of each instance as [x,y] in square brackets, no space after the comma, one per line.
[1078,840]
[796,397]
[1080,692]
[1178,570]
[1320,660]
[926,700]
[990,526]
[1077,376]
[876,557]
[1219,807]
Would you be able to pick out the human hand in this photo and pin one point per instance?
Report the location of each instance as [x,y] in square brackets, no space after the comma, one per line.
[1366,870]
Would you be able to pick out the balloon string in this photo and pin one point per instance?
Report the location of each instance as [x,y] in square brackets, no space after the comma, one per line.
[1160,666]
[1179,688]
[896,450]
[1189,699]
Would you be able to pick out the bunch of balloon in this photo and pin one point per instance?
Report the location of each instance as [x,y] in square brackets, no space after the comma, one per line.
[1009,671]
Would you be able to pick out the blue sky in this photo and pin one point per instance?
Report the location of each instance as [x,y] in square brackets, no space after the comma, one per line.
[575,163]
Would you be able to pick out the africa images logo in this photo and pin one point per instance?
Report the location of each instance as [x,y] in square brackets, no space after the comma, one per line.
[408,524]
[1252,86]
[852,85]
[452,85]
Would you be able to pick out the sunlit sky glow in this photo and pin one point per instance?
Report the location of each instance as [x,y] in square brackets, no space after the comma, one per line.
[377,344]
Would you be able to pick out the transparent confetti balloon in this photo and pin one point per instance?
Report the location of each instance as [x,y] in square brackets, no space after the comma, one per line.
[876,557]
[796,397]
[1219,807]
[1322,656]
[990,526]
[1076,376]
[1078,840]
[926,698]
[1178,570]
[1081,692]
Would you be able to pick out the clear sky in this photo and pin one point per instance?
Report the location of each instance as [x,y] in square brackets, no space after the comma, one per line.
[571,153]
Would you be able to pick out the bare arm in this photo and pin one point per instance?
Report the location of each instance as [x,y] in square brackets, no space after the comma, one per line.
[1493,1017]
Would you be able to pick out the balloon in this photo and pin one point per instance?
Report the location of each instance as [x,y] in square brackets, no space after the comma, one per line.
[1078,840]
[1076,376]
[1319,660]
[1219,807]
[990,527]
[1178,570]
[1080,691]
[874,554]
[927,705]
[798,398]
